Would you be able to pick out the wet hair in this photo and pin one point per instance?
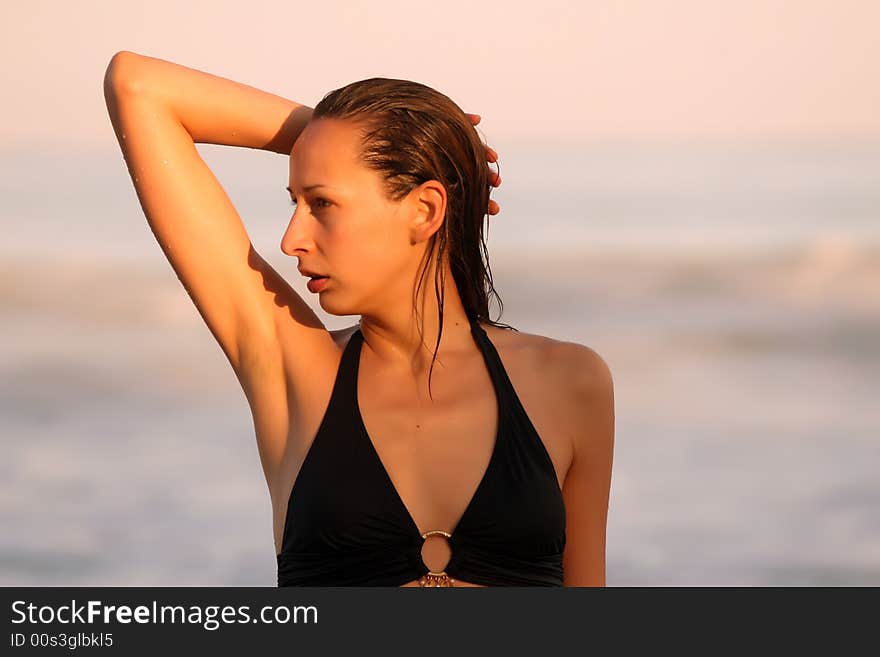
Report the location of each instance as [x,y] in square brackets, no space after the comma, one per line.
[411,133]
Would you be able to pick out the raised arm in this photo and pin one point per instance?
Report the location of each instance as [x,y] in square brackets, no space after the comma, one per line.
[159,111]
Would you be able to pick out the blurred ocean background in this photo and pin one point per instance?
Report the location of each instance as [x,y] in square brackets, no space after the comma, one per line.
[732,287]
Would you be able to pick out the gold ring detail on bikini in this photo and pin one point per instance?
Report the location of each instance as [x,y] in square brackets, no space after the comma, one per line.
[436,579]
[436,532]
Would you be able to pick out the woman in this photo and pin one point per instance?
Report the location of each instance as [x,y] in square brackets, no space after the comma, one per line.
[382,468]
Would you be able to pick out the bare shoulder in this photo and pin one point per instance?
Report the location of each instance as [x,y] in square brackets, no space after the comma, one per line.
[592,395]
[573,365]
[576,384]
[587,376]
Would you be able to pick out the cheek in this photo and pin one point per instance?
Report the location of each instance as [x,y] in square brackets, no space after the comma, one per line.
[378,249]
[379,262]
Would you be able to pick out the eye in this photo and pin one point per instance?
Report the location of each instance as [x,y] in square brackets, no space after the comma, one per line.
[318,202]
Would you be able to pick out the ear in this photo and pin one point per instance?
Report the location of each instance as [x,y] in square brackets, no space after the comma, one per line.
[429,210]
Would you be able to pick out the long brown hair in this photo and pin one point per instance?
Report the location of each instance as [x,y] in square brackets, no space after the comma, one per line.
[411,133]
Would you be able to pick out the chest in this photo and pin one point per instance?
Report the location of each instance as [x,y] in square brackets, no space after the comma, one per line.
[437,450]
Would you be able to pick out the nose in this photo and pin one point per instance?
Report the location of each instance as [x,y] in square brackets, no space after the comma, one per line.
[297,239]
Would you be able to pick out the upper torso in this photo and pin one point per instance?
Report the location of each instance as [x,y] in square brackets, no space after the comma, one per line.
[436,453]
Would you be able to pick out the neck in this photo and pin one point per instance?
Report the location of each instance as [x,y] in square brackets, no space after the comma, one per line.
[393,334]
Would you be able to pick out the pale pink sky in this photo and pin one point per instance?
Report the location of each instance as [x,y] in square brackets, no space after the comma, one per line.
[562,71]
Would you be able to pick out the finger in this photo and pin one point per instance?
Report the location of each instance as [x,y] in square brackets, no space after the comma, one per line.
[475,118]
[494,208]
[491,154]
[495,178]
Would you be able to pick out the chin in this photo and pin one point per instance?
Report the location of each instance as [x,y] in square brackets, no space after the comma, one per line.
[335,306]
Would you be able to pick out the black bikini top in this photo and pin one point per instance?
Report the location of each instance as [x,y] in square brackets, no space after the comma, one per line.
[346,525]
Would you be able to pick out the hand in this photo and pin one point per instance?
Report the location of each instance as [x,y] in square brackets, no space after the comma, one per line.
[494,178]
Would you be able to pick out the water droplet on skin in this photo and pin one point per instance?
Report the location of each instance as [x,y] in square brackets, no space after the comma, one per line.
[123,135]
[164,161]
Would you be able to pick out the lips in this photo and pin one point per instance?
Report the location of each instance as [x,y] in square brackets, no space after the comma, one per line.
[311,274]
[317,284]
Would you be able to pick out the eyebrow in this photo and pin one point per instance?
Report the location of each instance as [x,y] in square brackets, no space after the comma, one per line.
[309,188]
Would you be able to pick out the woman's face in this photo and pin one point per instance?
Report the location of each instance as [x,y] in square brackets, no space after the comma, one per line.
[345,228]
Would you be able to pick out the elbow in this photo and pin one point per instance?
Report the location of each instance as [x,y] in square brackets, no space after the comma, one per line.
[119,76]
